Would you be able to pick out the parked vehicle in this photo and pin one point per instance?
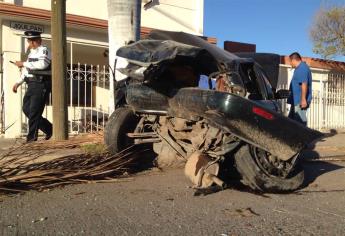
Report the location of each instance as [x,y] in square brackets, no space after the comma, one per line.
[237,120]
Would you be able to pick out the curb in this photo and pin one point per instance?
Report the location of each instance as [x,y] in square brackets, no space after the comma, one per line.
[330,158]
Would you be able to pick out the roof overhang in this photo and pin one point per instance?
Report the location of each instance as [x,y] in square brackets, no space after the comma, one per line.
[7,9]
[336,66]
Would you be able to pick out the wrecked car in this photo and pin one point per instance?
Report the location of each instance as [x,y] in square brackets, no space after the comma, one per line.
[232,122]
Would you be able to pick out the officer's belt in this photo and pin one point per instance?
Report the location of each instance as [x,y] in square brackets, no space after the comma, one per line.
[38,76]
[40,72]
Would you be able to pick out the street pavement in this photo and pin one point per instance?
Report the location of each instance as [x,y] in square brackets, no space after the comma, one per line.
[158,202]
[161,203]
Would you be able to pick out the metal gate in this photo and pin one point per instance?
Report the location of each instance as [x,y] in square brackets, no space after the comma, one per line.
[88,99]
[327,109]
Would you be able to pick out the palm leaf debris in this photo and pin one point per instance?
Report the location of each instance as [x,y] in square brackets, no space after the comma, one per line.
[42,165]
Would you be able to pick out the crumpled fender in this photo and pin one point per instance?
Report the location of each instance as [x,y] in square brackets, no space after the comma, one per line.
[246,119]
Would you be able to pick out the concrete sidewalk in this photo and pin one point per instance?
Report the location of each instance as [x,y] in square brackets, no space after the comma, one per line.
[6,143]
[331,146]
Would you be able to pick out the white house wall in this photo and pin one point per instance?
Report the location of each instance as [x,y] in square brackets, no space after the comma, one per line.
[175,15]
[11,49]
[320,77]
[89,8]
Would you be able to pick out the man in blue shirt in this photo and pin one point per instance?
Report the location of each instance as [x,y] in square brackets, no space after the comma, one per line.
[300,89]
[205,83]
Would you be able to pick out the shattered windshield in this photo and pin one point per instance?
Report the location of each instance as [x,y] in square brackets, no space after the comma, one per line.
[265,84]
[230,82]
[250,81]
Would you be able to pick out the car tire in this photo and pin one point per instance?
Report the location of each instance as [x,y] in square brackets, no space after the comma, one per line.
[253,175]
[122,121]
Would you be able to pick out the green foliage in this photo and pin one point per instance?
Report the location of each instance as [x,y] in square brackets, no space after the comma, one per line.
[328,32]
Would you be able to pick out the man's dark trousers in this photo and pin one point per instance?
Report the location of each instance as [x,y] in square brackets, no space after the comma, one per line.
[33,105]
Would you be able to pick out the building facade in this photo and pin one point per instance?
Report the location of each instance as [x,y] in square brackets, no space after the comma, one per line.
[87,44]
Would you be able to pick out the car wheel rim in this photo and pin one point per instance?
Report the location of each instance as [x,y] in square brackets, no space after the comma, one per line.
[272,165]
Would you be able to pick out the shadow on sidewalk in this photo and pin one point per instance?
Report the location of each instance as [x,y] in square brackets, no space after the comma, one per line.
[331,133]
[313,170]
[310,152]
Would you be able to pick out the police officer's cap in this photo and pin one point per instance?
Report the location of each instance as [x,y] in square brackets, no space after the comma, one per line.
[32,34]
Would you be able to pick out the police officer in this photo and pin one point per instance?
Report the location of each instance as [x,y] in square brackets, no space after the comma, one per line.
[35,72]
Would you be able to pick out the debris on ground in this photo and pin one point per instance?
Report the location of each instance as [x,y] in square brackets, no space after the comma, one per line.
[39,220]
[46,164]
[246,212]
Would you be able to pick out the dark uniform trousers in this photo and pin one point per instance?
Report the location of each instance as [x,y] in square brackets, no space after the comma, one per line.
[33,105]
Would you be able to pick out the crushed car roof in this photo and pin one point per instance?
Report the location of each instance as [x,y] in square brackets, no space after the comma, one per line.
[146,52]
[181,37]
[168,45]
[164,45]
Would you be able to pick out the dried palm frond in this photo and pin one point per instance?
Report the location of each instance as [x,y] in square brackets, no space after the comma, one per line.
[41,165]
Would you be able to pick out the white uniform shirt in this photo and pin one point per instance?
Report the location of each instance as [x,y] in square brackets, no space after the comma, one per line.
[38,59]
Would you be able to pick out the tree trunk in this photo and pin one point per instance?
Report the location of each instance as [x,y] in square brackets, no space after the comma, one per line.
[123,26]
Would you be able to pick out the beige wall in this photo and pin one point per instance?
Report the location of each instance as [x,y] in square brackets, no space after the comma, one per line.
[174,15]
[12,51]
[76,7]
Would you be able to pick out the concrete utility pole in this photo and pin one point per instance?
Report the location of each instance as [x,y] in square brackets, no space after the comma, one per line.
[59,95]
[123,26]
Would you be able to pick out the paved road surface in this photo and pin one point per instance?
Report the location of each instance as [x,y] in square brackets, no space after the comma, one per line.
[160,203]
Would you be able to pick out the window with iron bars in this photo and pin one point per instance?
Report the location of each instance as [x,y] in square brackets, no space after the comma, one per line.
[82,81]
[336,88]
